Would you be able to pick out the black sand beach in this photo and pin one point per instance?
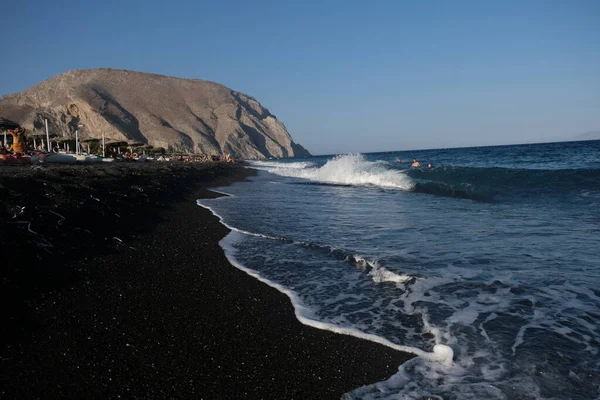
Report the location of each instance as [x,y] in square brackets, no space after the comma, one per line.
[114,285]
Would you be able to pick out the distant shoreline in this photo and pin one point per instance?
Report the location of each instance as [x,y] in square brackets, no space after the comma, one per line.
[457,147]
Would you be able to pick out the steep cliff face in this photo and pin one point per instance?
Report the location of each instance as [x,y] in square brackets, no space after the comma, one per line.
[184,114]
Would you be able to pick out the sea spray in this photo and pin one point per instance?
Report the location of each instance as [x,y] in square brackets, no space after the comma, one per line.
[351,169]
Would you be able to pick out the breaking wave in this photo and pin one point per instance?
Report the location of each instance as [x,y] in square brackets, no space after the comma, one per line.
[350,169]
[268,165]
[481,184]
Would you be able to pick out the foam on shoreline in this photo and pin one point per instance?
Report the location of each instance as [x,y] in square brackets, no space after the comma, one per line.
[441,353]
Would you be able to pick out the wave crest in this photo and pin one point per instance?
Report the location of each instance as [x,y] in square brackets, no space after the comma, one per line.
[268,165]
[378,273]
[348,169]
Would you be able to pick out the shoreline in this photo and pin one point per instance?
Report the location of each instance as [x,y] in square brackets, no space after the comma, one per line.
[147,305]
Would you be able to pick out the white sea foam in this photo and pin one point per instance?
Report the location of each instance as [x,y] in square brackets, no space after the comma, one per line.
[441,355]
[307,316]
[223,193]
[379,273]
[266,165]
[233,228]
[382,274]
[468,356]
[351,169]
[420,376]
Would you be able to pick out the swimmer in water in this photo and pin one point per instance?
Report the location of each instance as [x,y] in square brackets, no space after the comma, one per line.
[428,165]
[415,163]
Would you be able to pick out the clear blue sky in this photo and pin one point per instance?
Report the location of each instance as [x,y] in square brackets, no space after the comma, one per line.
[344,76]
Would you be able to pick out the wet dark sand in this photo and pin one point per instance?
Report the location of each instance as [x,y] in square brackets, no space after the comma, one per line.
[113,284]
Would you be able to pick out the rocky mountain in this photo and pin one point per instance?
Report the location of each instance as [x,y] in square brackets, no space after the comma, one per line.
[188,115]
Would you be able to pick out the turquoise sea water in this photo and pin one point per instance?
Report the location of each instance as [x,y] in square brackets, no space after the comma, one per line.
[487,265]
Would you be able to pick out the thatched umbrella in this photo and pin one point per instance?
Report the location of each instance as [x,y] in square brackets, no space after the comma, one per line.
[117,142]
[106,141]
[146,147]
[37,135]
[7,124]
[131,143]
[88,141]
[41,135]
[64,140]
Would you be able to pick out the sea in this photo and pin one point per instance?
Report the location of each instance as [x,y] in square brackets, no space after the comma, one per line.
[486,266]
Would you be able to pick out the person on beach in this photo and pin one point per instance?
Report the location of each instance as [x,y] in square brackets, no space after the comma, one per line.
[415,163]
[18,145]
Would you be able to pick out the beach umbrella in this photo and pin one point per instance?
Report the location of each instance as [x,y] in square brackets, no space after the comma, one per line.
[41,135]
[63,140]
[38,134]
[117,143]
[132,143]
[108,142]
[34,140]
[146,147]
[77,144]
[7,124]
[88,141]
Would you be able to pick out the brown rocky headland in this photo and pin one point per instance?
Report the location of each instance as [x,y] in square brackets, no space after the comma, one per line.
[182,115]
